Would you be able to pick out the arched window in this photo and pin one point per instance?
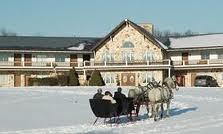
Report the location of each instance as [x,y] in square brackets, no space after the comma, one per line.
[128,44]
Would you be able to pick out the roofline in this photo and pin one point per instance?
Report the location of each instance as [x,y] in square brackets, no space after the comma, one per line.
[147,34]
[188,36]
[194,48]
[48,37]
[138,28]
[47,51]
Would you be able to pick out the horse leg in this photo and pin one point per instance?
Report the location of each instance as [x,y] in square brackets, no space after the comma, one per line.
[162,110]
[137,109]
[147,108]
[168,109]
[153,110]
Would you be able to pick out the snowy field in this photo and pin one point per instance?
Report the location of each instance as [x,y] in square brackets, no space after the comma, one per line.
[57,110]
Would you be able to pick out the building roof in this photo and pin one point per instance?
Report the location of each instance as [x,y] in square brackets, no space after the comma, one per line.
[70,44]
[197,41]
[47,43]
[137,27]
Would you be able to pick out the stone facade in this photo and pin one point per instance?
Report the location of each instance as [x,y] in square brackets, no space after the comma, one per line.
[141,46]
[128,34]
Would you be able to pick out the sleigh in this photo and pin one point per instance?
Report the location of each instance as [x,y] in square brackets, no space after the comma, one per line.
[106,110]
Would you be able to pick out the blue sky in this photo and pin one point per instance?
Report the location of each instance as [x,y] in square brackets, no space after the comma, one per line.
[97,17]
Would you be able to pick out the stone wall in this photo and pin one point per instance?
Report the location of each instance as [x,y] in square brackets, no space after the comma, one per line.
[128,33]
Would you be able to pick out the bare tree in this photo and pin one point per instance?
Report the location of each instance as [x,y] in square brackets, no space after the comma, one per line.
[164,36]
[4,32]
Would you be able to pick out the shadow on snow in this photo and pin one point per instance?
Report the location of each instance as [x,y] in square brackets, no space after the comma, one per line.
[178,111]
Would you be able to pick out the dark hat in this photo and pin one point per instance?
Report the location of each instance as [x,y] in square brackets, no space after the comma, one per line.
[108,93]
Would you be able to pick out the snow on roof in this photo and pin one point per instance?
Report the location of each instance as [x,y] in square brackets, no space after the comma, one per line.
[161,44]
[197,41]
[79,47]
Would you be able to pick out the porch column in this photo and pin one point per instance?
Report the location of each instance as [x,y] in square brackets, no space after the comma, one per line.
[85,77]
[169,69]
[169,72]
[23,80]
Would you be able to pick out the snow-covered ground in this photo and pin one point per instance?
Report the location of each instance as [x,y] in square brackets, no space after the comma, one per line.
[57,110]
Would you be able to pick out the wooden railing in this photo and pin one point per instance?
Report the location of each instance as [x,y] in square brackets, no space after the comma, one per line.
[197,62]
[165,62]
[82,64]
[129,63]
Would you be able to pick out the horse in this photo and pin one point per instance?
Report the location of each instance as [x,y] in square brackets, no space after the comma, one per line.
[139,96]
[158,96]
[169,84]
[154,94]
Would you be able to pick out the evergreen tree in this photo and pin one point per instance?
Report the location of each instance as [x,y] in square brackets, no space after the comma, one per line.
[73,78]
[96,79]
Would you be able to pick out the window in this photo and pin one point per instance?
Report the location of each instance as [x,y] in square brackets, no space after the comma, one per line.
[147,77]
[148,56]
[127,56]
[220,55]
[60,58]
[205,55]
[41,57]
[128,44]
[4,57]
[107,57]
[109,78]
[4,80]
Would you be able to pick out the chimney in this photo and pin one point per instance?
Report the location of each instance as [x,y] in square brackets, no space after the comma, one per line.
[147,26]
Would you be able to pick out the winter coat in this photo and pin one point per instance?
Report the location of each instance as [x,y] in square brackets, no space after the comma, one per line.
[119,95]
[98,96]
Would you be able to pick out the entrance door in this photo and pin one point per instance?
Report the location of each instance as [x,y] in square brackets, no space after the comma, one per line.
[185,58]
[17,80]
[128,79]
[28,59]
[27,77]
[180,80]
[17,59]
[73,60]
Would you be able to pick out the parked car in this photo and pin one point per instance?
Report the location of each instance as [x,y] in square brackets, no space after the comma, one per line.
[205,81]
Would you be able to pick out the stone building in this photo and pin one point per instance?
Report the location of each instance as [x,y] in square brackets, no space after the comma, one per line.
[128,56]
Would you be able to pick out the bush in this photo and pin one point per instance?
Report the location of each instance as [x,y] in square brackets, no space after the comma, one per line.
[62,80]
[96,79]
[48,81]
[73,78]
